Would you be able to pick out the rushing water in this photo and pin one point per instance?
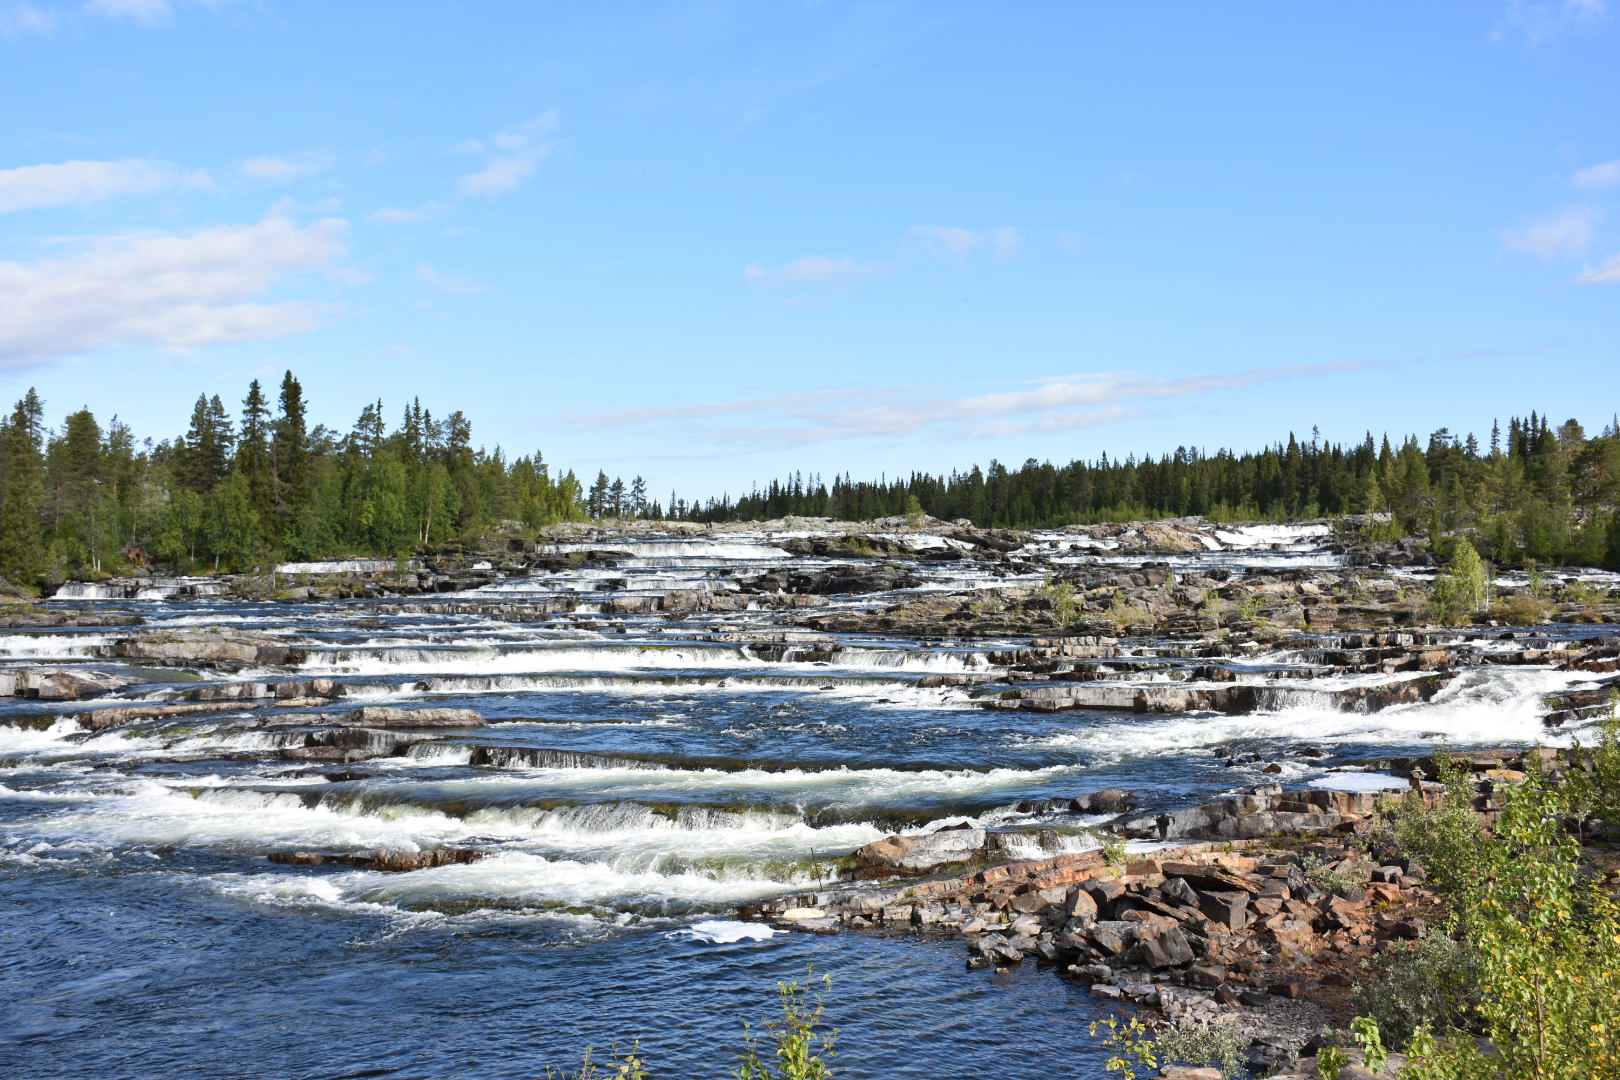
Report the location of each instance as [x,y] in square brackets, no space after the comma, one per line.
[639,777]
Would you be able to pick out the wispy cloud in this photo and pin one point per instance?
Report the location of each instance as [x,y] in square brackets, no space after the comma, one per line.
[955,244]
[1540,21]
[511,156]
[141,11]
[172,289]
[21,17]
[284,169]
[35,187]
[464,285]
[1606,274]
[813,270]
[402,215]
[1597,177]
[1061,403]
[1565,233]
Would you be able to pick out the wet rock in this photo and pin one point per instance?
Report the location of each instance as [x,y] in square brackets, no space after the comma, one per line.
[389,861]
[56,684]
[209,648]
[894,855]
[387,716]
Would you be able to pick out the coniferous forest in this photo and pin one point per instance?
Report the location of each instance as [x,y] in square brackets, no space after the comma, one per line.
[244,486]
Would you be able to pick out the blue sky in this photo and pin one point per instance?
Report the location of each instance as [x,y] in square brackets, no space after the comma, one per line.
[710,243]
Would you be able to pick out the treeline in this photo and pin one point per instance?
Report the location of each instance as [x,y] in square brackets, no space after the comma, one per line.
[1535,493]
[243,490]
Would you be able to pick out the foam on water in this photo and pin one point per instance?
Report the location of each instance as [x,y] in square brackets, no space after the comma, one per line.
[726,932]
[1498,705]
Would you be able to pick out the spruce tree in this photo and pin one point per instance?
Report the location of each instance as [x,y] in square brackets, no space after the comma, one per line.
[22,555]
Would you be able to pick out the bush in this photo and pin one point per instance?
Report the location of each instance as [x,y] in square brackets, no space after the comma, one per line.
[802,1051]
[1218,1044]
[1520,609]
[1544,937]
[1432,984]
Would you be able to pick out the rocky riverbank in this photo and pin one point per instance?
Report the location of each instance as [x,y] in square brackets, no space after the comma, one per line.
[1263,929]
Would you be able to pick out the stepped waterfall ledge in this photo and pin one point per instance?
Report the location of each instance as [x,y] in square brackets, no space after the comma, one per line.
[625,761]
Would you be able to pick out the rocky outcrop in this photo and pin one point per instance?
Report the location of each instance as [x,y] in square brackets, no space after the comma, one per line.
[206,648]
[57,684]
[387,716]
[897,855]
[388,861]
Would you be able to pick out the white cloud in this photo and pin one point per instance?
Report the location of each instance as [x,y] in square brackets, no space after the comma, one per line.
[402,215]
[141,11]
[276,169]
[510,156]
[34,187]
[1059,403]
[1565,233]
[1542,20]
[1606,175]
[426,273]
[24,18]
[957,244]
[1606,274]
[812,270]
[172,289]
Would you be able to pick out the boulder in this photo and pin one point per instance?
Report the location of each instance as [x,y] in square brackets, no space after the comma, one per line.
[898,855]
[388,716]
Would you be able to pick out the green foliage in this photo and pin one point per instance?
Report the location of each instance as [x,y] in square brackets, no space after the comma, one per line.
[1113,851]
[1537,492]
[1330,1062]
[1066,605]
[627,1066]
[1336,878]
[1520,609]
[1220,1045]
[1130,1045]
[1595,789]
[1431,983]
[1546,940]
[801,1051]
[1461,591]
[73,501]
[1366,1034]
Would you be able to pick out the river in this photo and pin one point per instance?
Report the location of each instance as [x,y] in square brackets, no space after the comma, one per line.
[639,776]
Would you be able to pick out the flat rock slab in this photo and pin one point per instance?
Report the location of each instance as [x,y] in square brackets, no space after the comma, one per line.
[387,716]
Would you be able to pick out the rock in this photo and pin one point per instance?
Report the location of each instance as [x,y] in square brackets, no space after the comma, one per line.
[55,684]
[387,716]
[1230,908]
[234,649]
[896,855]
[381,859]
[1162,947]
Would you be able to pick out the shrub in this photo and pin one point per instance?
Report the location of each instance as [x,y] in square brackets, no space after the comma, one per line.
[1545,940]
[1429,984]
[1339,878]
[1217,1044]
[1520,609]
[801,1051]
